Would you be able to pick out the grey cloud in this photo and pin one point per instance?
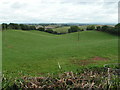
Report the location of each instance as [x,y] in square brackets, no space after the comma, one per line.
[18,5]
[111,1]
[5,2]
[59,11]
[87,1]
[119,12]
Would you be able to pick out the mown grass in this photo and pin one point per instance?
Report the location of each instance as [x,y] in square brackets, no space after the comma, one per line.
[37,53]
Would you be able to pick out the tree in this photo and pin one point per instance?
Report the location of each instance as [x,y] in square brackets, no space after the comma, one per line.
[32,28]
[54,32]
[14,26]
[41,29]
[73,29]
[26,27]
[117,28]
[98,28]
[23,27]
[104,28]
[112,30]
[4,26]
[90,27]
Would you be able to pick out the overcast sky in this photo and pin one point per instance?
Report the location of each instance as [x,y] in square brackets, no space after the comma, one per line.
[59,11]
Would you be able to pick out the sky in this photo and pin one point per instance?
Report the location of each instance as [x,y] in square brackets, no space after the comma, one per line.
[59,11]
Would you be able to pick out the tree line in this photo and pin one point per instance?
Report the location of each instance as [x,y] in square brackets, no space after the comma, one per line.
[109,29]
[17,26]
[28,27]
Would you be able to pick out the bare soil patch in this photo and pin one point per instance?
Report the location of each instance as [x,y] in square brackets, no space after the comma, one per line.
[89,61]
[96,58]
[10,46]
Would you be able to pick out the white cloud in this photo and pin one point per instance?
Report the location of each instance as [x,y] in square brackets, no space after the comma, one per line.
[38,11]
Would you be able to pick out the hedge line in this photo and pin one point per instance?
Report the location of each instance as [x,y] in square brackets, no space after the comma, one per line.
[112,30]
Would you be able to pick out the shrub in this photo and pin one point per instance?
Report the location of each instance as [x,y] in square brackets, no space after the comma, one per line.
[54,32]
[90,27]
[91,78]
[41,29]
[4,26]
[112,30]
[49,30]
[24,27]
[13,26]
[73,29]
[98,28]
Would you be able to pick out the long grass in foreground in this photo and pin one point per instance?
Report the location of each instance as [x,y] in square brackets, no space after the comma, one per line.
[95,78]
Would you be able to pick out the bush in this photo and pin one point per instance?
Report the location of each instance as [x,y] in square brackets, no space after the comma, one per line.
[117,29]
[17,26]
[90,78]
[54,32]
[24,27]
[32,28]
[82,30]
[90,27]
[49,30]
[41,29]
[73,29]
[4,26]
[112,30]
[13,26]
[105,28]
[27,27]
[98,28]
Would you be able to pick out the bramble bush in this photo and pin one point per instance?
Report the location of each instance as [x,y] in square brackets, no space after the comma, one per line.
[89,78]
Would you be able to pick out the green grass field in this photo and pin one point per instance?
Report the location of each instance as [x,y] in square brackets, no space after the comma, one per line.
[36,52]
[61,29]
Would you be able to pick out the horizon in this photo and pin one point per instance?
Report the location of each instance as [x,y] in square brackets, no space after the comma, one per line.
[63,23]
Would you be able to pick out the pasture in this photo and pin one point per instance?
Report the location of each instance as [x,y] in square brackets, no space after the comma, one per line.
[37,53]
[62,29]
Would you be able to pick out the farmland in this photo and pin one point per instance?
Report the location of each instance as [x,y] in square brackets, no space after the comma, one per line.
[62,29]
[59,45]
[37,53]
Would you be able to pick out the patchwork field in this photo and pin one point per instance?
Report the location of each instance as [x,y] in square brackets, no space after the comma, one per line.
[37,53]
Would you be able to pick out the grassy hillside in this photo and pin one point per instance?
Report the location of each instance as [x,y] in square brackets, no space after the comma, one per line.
[62,29]
[36,53]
